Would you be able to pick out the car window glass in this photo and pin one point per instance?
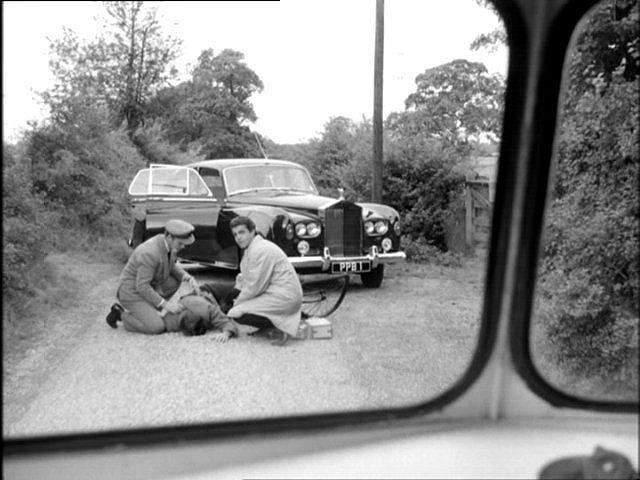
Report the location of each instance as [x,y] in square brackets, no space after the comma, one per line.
[405,328]
[211,177]
[584,333]
[140,184]
[197,186]
[265,177]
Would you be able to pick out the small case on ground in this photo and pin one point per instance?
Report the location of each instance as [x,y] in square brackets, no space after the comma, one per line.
[318,327]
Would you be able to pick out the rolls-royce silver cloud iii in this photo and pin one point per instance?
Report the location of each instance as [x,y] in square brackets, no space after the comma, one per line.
[319,234]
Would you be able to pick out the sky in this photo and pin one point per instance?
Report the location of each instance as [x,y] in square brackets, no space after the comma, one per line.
[315,57]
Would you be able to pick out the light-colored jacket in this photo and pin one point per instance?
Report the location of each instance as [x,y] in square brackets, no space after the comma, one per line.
[148,268]
[269,286]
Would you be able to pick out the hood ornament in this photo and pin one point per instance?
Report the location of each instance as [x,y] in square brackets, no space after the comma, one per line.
[341,192]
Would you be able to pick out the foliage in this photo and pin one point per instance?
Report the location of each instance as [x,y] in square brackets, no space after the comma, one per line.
[153,145]
[589,280]
[208,113]
[81,169]
[422,183]
[493,39]
[341,158]
[418,250]
[607,44]
[119,70]
[421,175]
[454,103]
[24,226]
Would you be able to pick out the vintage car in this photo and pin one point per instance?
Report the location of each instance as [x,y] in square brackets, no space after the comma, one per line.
[319,234]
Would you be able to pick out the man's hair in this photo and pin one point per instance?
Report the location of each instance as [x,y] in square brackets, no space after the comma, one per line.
[246,221]
[191,324]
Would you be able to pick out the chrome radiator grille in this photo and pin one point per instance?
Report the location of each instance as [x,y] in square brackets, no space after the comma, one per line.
[343,229]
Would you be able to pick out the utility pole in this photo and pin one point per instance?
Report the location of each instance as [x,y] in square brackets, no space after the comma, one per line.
[376,190]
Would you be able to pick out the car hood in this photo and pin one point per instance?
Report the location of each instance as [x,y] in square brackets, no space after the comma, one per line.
[308,204]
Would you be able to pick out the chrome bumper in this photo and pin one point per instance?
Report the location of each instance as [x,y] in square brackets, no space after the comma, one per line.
[324,261]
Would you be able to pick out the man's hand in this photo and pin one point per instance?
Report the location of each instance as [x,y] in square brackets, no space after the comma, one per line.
[221,337]
[193,283]
[173,307]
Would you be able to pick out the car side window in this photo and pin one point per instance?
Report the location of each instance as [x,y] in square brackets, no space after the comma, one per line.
[584,333]
[197,185]
[168,181]
[213,180]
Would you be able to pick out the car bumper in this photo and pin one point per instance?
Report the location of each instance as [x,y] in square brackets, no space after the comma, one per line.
[323,262]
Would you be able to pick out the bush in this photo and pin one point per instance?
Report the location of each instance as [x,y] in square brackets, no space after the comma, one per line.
[590,273]
[601,346]
[25,226]
[423,190]
[419,251]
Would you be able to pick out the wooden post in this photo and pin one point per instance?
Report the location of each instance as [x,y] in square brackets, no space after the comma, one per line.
[468,223]
[376,184]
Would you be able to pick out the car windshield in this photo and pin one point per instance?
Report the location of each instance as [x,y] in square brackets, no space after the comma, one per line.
[267,177]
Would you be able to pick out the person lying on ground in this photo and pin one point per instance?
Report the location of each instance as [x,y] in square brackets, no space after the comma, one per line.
[200,313]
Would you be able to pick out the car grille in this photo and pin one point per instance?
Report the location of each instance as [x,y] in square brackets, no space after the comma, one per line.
[343,229]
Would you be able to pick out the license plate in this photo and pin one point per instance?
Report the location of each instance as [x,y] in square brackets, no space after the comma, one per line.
[354,267]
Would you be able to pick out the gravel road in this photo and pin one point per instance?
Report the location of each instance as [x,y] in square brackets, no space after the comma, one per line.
[104,379]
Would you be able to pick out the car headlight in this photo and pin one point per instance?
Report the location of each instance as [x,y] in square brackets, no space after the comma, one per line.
[303,247]
[308,230]
[313,229]
[381,227]
[397,228]
[369,227]
[301,229]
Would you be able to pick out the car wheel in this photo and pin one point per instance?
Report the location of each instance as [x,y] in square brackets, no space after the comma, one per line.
[373,279]
[320,298]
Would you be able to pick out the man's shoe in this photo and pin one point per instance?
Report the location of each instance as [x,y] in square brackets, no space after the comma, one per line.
[266,332]
[280,339]
[115,315]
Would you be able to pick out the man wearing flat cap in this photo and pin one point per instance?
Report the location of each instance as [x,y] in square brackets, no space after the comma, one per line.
[150,277]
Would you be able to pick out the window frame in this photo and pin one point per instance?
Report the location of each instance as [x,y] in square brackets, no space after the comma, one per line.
[525,159]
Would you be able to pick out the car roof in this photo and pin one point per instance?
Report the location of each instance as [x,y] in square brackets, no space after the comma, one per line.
[233,162]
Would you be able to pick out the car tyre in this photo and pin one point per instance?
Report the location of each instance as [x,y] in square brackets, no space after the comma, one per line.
[373,279]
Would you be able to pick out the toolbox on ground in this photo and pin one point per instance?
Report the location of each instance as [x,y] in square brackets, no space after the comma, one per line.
[315,328]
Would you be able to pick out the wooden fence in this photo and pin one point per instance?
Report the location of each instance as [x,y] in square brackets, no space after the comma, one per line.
[469,229]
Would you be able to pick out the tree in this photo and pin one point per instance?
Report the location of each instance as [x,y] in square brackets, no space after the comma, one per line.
[228,75]
[493,39]
[454,102]
[212,109]
[120,69]
[332,149]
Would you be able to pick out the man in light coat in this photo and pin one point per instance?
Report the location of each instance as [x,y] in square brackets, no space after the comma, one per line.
[268,290]
[150,278]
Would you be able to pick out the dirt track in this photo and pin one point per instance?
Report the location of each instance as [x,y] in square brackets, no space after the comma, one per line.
[396,345]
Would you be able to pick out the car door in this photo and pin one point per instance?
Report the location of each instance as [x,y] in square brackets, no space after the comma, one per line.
[163,192]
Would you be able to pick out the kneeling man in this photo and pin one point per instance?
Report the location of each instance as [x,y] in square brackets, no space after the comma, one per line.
[150,277]
[267,291]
